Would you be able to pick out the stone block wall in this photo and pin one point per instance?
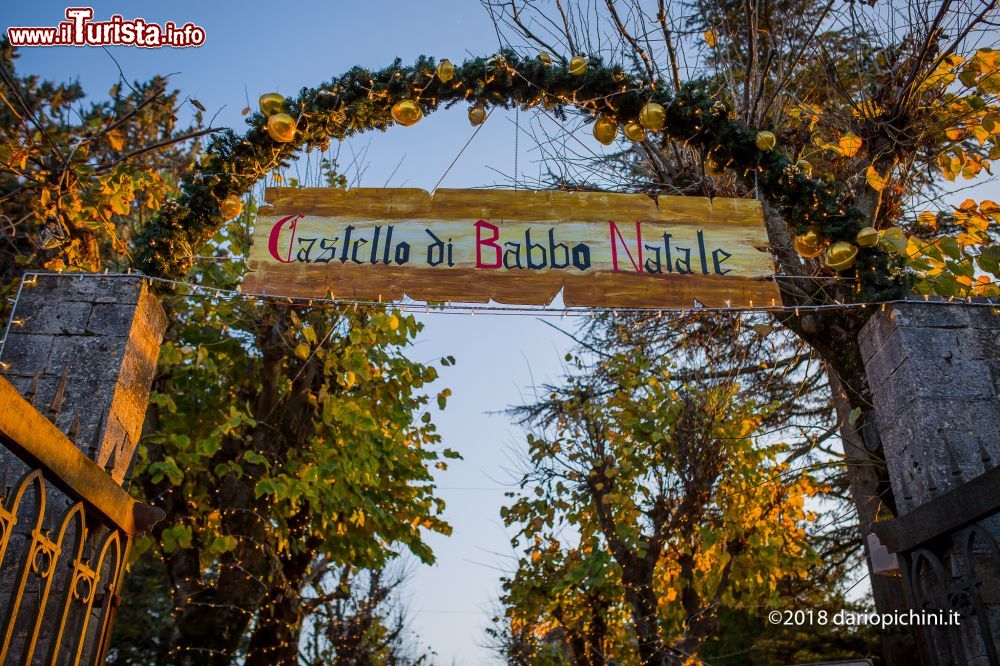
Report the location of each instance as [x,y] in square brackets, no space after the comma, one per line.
[84,349]
[934,372]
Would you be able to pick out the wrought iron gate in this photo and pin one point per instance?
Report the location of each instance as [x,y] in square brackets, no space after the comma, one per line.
[72,526]
[950,561]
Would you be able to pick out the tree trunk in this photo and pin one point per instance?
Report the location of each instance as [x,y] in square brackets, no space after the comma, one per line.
[834,336]
[214,615]
[870,490]
[578,646]
[638,581]
[275,638]
[588,644]
[597,633]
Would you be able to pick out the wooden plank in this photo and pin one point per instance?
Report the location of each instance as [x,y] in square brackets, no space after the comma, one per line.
[36,440]
[969,503]
[519,247]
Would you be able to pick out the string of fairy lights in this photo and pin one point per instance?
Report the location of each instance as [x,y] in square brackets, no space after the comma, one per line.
[498,309]
[472,309]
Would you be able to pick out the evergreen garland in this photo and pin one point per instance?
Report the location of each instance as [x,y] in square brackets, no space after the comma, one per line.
[361,100]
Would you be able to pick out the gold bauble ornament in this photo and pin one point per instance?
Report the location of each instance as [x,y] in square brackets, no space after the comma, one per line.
[810,244]
[545,58]
[446,71]
[477,115]
[652,116]
[281,127]
[231,206]
[578,65]
[634,131]
[713,168]
[867,237]
[605,130]
[406,112]
[894,239]
[841,256]
[271,103]
[496,61]
[805,167]
[766,140]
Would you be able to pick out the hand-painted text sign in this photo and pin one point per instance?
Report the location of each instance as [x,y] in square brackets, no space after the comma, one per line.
[518,247]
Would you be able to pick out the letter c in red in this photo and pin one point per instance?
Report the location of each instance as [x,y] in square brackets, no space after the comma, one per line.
[272,241]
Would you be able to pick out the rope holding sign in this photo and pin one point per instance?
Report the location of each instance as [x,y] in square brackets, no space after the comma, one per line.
[517,133]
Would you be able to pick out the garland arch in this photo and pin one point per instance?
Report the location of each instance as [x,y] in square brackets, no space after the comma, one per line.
[361,100]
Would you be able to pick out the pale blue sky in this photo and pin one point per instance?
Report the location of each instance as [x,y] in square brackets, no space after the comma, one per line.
[257,47]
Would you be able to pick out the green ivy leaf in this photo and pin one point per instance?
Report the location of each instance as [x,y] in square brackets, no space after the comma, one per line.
[989,259]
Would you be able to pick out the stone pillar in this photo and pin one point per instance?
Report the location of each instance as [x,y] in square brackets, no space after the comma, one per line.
[934,372]
[84,350]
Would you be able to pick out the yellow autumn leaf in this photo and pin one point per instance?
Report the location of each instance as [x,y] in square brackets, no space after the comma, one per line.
[988,207]
[119,205]
[875,181]
[116,139]
[950,165]
[927,219]
[711,37]
[868,108]
[849,144]
[990,83]
[977,222]
[968,239]
[944,73]
[991,123]
[971,169]
[984,286]
[985,60]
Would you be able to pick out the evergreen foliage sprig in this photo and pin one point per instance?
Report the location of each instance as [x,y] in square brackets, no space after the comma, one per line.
[361,100]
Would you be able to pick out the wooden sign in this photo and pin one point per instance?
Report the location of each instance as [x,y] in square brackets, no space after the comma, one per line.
[518,247]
